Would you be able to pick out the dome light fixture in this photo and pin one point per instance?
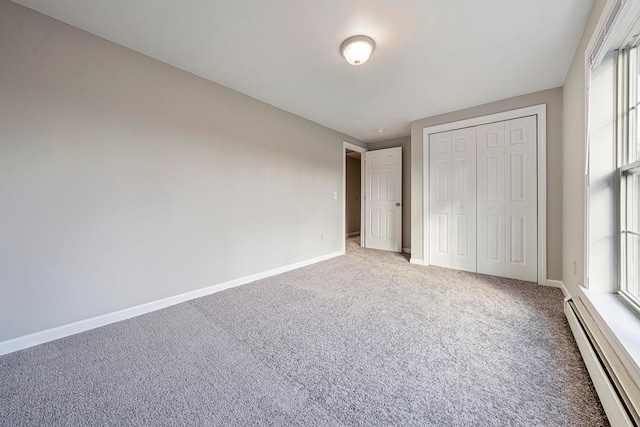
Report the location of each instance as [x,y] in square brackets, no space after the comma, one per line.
[357,49]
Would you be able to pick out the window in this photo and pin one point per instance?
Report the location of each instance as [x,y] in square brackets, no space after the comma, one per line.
[628,168]
[611,292]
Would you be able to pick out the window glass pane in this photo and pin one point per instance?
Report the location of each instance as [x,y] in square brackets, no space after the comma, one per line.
[633,266]
[632,150]
[635,151]
[633,144]
[633,109]
[632,234]
[634,140]
[633,201]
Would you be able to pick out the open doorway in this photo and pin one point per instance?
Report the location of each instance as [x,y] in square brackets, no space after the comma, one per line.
[353,199]
[353,202]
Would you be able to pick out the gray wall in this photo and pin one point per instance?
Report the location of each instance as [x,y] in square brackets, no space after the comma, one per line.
[354,191]
[573,163]
[553,99]
[405,143]
[124,180]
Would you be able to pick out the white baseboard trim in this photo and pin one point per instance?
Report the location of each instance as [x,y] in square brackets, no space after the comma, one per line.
[559,284]
[554,283]
[353,234]
[417,261]
[406,250]
[52,334]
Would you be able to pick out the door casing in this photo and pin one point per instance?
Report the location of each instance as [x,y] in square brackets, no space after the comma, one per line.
[348,146]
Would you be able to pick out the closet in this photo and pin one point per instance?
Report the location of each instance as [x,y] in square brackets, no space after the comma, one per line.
[483,199]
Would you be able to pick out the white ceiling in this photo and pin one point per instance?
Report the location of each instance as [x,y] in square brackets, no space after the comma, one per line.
[432,56]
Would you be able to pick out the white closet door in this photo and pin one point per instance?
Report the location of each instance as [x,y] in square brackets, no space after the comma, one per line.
[521,199]
[440,207]
[491,205]
[452,199]
[463,197]
[507,199]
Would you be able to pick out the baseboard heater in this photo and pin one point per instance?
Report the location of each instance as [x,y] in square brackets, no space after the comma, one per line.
[617,391]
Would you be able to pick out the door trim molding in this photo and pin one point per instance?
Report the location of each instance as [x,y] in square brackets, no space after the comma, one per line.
[540,111]
[349,146]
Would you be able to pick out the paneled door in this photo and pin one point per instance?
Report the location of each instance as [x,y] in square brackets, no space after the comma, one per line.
[483,199]
[452,199]
[507,199]
[463,196]
[440,205]
[383,204]
[521,199]
[491,221]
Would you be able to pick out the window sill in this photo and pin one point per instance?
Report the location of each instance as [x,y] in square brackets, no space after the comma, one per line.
[619,324]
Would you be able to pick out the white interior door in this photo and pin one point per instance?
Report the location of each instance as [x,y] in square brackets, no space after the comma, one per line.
[383,223]
[491,215]
[452,199]
[507,199]
[521,199]
[463,197]
[440,206]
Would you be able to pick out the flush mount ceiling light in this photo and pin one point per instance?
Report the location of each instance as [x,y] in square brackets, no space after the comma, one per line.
[357,49]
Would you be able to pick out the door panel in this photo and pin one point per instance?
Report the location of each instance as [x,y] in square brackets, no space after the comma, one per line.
[517,181]
[494,171]
[462,246]
[517,241]
[389,228]
[521,204]
[491,242]
[442,231]
[374,226]
[494,238]
[383,194]
[440,207]
[463,198]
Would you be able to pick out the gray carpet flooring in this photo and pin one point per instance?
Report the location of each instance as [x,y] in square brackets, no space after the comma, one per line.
[363,339]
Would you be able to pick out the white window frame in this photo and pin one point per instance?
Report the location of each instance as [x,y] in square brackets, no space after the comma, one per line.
[619,324]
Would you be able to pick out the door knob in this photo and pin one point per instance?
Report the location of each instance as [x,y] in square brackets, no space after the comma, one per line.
[490,208]
[398,204]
